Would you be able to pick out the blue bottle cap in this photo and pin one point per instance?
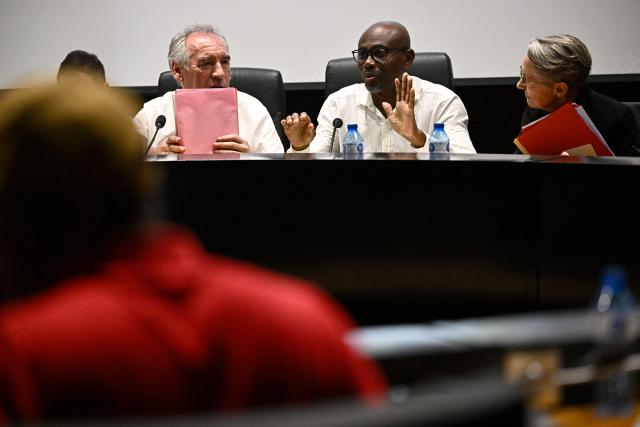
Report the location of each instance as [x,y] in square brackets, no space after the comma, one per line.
[352,127]
[614,277]
[438,125]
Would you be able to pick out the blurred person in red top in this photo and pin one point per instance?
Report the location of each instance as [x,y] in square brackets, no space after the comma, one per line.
[107,315]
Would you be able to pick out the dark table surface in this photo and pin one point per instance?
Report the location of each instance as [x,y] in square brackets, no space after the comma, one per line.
[402,238]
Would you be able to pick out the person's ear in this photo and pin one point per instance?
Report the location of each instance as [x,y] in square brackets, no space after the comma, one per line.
[177,73]
[409,56]
[561,90]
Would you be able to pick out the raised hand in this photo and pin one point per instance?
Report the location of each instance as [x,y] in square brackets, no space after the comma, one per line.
[402,119]
[299,130]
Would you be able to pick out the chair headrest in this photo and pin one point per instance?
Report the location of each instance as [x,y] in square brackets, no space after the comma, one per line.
[432,66]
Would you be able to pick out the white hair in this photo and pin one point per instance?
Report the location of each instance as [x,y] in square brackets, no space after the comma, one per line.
[178,47]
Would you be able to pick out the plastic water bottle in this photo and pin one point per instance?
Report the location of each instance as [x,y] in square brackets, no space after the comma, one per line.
[615,328]
[353,144]
[439,143]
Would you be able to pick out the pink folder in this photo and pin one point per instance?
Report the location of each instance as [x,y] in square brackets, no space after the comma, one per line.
[202,115]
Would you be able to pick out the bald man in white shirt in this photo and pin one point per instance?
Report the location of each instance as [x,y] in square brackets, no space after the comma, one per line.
[395,112]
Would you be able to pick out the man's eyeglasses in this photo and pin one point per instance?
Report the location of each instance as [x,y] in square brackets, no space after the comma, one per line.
[379,54]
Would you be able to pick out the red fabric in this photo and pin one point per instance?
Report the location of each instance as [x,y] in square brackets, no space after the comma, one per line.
[168,328]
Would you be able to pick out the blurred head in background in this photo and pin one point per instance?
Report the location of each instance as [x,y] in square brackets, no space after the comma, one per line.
[71,180]
[81,66]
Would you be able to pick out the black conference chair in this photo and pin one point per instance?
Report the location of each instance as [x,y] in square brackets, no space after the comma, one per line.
[635,108]
[264,84]
[432,66]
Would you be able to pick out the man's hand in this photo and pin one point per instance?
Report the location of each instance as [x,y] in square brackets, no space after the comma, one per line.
[231,144]
[403,119]
[171,144]
[299,130]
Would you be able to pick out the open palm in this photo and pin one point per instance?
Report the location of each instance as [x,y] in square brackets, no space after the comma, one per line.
[402,119]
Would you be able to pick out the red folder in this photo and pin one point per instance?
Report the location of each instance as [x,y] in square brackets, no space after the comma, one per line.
[568,129]
[202,115]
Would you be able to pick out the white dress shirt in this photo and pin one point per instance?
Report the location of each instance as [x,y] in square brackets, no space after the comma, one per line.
[354,105]
[254,123]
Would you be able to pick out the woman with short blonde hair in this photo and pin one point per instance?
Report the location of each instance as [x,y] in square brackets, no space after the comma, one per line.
[555,71]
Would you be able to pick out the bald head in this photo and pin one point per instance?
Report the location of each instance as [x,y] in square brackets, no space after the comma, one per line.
[393,33]
[385,54]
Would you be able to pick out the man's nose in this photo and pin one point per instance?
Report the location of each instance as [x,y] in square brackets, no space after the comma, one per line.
[218,70]
[370,62]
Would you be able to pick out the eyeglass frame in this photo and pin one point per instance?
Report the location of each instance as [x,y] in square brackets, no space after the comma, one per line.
[370,53]
[524,83]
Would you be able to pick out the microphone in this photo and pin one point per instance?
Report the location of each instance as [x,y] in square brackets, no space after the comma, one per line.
[160,122]
[337,123]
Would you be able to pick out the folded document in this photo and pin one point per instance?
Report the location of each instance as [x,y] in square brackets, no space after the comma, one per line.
[568,129]
[203,115]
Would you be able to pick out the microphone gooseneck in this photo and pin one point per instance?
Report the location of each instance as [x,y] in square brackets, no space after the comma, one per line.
[337,123]
[161,120]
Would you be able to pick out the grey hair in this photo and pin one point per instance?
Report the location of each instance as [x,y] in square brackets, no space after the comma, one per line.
[178,47]
[562,57]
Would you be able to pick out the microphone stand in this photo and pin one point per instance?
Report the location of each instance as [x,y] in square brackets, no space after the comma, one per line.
[151,142]
[333,137]
[161,120]
[337,123]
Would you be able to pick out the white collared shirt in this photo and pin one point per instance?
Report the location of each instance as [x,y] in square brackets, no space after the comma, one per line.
[254,123]
[353,104]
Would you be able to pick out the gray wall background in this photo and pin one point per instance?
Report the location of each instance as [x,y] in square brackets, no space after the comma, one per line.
[484,38]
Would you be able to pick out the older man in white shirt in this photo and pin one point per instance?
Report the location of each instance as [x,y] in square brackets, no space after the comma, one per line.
[199,58]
